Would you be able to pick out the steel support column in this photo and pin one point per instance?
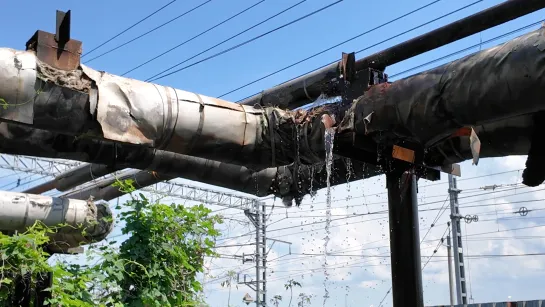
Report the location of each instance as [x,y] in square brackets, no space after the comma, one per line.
[404,239]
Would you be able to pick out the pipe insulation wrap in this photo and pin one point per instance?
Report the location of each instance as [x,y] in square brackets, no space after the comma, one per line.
[85,220]
[492,85]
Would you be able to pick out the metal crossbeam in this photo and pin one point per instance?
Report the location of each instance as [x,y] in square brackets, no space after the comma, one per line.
[207,196]
[34,165]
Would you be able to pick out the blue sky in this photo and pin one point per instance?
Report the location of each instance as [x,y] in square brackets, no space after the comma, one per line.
[95,21]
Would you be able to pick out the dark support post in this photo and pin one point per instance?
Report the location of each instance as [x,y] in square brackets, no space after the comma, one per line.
[21,297]
[43,285]
[404,239]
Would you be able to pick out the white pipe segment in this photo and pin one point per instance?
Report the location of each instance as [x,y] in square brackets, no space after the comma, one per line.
[89,102]
[84,219]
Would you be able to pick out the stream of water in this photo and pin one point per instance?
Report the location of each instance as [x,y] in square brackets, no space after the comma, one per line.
[329,138]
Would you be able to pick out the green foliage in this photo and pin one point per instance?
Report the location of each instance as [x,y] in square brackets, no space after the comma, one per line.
[156,266]
[5,105]
[23,254]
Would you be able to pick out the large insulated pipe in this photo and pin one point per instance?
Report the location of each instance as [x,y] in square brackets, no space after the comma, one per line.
[423,108]
[288,182]
[85,221]
[504,138]
[88,103]
[489,86]
[296,92]
[508,137]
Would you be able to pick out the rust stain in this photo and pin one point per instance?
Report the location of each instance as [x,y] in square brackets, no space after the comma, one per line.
[227,105]
[137,133]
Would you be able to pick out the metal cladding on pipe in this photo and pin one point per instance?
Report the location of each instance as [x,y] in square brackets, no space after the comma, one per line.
[302,90]
[492,85]
[280,181]
[86,221]
[508,137]
[86,102]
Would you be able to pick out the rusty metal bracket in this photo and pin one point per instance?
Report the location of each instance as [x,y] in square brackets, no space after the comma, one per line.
[348,66]
[57,50]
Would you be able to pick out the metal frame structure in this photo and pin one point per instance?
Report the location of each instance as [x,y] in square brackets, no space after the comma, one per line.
[459,270]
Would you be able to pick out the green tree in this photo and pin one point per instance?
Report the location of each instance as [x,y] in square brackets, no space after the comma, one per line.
[290,285]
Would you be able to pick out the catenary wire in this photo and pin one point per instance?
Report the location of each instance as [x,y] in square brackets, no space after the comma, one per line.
[194,37]
[234,36]
[332,47]
[161,75]
[149,31]
[127,29]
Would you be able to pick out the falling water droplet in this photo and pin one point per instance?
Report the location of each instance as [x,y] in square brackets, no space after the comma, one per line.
[328,138]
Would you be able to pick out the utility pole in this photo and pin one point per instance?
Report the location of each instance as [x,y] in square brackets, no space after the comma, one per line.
[461,291]
[257,216]
[449,259]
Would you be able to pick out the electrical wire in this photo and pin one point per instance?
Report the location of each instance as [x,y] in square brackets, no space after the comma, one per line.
[194,37]
[437,217]
[234,36]
[148,32]
[331,47]
[130,27]
[160,75]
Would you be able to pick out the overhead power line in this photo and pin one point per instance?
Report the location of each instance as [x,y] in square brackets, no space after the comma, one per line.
[195,37]
[160,75]
[234,36]
[441,240]
[332,47]
[150,31]
[130,27]
[368,47]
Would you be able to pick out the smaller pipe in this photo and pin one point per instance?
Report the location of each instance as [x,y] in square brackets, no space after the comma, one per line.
[302,90]
[491,17]
[72,178]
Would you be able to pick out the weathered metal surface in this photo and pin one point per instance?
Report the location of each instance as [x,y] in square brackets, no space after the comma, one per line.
[64,56]
[17,85]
